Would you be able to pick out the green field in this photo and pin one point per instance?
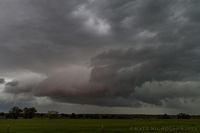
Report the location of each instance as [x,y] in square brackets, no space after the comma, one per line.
[95,126]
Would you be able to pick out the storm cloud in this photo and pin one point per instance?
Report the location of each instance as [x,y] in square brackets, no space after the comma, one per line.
[116,73]
[132,53]
[2,81]
[12,83]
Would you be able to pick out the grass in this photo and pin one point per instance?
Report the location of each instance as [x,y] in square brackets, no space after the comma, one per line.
[95,125]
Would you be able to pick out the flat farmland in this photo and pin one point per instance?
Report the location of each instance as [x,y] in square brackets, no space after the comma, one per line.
[95,125]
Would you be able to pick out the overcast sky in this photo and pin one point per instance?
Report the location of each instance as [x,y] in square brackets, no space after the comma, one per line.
[100,56]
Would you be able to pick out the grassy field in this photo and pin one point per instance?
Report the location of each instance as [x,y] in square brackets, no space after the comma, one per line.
[95,126]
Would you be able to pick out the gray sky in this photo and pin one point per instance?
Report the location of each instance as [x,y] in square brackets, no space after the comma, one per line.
[100,56]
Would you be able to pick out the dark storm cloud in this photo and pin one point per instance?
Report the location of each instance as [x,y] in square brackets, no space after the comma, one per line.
[116,73]
[23,85]
[129,43]
[41,36]
[193,12]
[17,87]
[168,93]
[39,33]
[12,83]
[2,81]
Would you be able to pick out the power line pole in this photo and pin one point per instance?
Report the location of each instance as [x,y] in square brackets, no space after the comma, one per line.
[8,128]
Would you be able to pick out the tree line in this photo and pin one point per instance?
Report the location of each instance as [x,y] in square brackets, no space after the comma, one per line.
[29,113]
[26,113]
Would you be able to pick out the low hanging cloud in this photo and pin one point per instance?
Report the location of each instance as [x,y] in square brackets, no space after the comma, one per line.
[17,87]
[23,85]
[12,83]
[168,93]
[2,81]
[116,74]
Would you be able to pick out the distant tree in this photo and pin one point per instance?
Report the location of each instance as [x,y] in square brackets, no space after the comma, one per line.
[86,116]
[183,116]
[51,114]
[95,116]
[2,115]
[7,116]
[15,112]
[165,116]
[65,115]
[59,116]
[73,116]
[40,115]
[80,116]
[29,112]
